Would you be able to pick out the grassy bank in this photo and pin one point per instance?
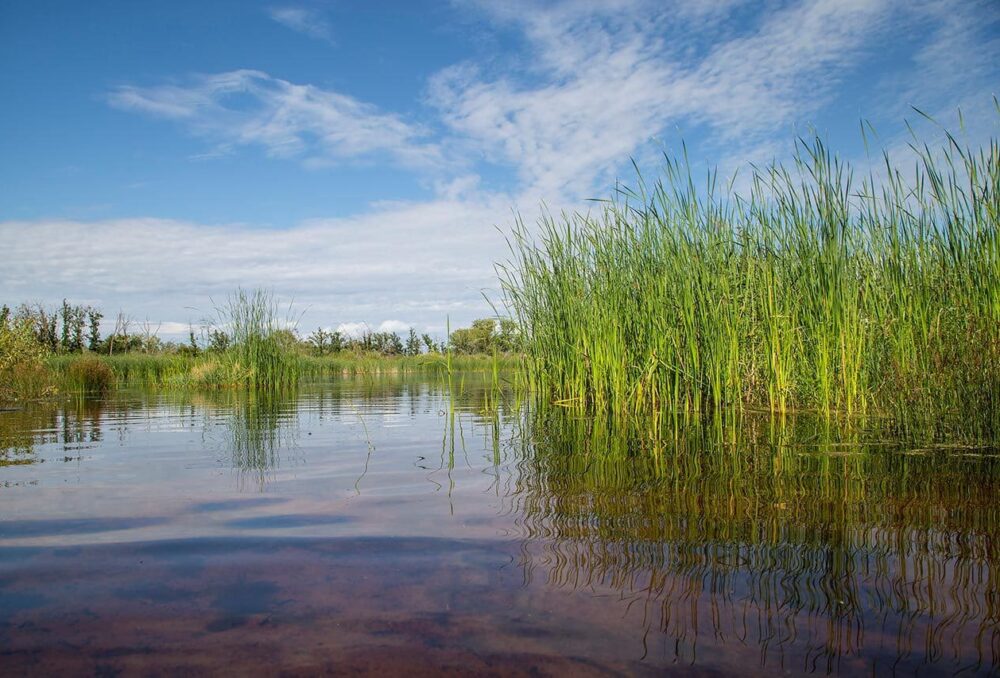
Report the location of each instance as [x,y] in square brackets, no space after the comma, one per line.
[178,371]
[813,290]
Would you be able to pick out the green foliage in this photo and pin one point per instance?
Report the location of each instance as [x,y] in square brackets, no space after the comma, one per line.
[218,341]
[486,336]
[90,374]
[815,291]
[22,373]
[412,344]
[428,343]
[323,342]
[94,329]
[260,353]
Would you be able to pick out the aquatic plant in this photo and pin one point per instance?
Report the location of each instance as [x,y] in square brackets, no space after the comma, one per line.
[811,290]
[258,355]
[90,375]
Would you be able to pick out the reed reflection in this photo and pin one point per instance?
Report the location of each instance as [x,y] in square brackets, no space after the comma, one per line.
[816,546]
[258,429]
[68,427]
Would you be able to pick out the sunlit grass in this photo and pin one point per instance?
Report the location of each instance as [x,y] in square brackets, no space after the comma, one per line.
[813,290]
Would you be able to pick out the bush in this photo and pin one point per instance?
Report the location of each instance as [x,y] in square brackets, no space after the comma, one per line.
[22,374]
[90,374]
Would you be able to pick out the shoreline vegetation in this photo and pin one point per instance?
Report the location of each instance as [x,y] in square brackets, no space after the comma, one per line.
[249,345]
[814,289]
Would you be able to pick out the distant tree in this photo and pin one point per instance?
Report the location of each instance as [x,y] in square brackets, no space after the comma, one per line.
[94,323]
[413,343]
[428,342]
[486,335]
[324,342]
[385,343]
[218,340]
[507,337]
[119,336]
[42,324]
[67,313]
[474,339]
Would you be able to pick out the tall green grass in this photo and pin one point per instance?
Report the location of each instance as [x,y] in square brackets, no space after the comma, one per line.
[811,290]
[258,357]
[135,370]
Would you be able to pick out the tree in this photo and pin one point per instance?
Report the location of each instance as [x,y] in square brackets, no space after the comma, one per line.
[508,336]
[94,322]
[120,334]
[413,343]
[486,335]
[66,320]
[428,342]
[218,341]
[475,339]
[324,342]
[385,343]
[20,352]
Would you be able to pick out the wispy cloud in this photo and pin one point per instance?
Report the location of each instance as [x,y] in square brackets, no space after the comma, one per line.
[251,108]
[956,62]
[602,83]
[304,20]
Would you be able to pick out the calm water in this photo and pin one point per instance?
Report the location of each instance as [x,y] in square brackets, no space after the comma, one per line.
[379,525]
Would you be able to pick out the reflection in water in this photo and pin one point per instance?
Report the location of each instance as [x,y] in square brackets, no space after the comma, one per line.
[258,426]
[771,536]
[753,543]
[73,426]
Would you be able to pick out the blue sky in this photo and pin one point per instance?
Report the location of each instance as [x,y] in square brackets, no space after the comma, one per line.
[358,158]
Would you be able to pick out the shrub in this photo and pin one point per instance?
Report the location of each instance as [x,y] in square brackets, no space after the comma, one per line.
[22,374]
[90,374]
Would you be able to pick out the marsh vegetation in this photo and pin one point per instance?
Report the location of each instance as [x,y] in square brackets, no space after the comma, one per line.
[251,343]
[814,289]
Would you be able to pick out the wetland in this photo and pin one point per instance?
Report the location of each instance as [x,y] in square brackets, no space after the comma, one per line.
[401,523]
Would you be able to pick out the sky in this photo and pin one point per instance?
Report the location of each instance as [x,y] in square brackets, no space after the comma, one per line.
[364,160]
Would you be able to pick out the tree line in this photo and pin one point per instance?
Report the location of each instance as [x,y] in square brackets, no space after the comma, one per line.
[74,328]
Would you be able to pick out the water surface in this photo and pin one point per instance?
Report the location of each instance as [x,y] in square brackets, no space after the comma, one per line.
[371,525]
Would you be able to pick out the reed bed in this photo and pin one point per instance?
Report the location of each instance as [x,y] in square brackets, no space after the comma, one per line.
[257,357]
[433,363]
[812,290]
[136,370]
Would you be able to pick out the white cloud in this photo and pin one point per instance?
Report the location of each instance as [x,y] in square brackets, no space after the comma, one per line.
[606,78]
[418,261]
[304,20]
[251,108]
[397,326]
[356,330]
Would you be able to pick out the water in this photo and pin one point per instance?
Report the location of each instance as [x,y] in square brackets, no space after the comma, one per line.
[380,525]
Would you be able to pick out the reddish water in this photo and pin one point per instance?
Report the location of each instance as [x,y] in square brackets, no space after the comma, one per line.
[380,527]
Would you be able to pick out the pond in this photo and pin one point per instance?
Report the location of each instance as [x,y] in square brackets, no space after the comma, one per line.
[398,525]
